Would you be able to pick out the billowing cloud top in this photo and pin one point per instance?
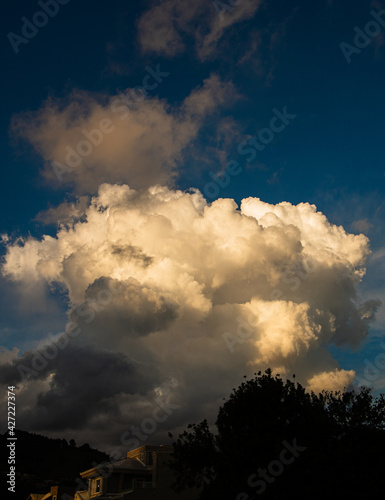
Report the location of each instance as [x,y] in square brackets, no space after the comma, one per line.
[201,293]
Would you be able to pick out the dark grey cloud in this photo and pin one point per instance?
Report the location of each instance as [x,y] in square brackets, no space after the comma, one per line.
[83,382]
[131,310]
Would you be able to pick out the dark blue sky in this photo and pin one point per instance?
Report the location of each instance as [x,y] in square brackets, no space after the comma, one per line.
[332,152]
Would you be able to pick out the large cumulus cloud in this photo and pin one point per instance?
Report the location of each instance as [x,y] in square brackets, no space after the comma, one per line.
[163,285]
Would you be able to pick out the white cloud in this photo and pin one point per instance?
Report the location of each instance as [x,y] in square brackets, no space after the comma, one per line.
[189,279]
[337,380]
[374,286]
[95,139]
[7,355]
[163,27]
[362,225]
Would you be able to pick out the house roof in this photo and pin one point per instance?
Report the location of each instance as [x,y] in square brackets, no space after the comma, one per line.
[150,448]
[125,464]
[128,463]
[47,495]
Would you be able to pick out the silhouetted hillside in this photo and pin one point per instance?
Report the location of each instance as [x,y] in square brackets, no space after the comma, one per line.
[42,462]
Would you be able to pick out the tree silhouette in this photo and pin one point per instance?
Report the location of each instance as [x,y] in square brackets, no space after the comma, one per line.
[274,440]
